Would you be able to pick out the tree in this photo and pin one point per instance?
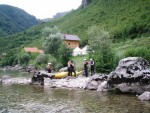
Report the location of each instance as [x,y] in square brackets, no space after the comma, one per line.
[24,59]
[100,49]
[52,42]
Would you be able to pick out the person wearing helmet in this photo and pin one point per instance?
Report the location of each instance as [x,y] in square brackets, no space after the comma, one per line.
[92,63]
[49,68]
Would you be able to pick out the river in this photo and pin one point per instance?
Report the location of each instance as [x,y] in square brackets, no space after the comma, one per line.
[25,98]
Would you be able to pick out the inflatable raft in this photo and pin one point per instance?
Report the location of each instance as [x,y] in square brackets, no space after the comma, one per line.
[41,74]
[64,74]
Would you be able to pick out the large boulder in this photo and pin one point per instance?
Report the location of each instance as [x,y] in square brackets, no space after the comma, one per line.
[94,81]
[102,87]
[133,75]
[145,96]
[134,88]
[64,69]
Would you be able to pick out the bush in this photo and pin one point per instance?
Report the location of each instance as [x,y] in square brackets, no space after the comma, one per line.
[138,52]
[24,59]
[58,66]
[41,60]
[9,58]
[53,61]
[100,49]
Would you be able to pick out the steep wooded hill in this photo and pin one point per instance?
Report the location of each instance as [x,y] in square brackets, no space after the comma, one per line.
[13,20]
[123,19]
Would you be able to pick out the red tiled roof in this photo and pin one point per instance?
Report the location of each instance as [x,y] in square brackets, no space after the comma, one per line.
[71,37]
[33,50]
[41,51]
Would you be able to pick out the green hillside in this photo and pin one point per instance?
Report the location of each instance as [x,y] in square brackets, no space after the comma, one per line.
[122,18]
[125,20]
[13,20]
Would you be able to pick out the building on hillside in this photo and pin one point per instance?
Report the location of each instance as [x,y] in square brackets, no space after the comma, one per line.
[71,40]
[33,50]
[76,51]
[84,51]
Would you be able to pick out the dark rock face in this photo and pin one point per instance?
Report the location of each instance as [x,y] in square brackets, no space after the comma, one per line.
[38,77]
[133,74]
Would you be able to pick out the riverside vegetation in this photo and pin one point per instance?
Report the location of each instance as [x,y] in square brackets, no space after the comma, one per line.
[120,28]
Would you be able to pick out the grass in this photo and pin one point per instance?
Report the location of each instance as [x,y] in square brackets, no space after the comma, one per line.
[121,47]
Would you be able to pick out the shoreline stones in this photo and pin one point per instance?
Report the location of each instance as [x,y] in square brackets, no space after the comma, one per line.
[29,68]
[145,96]
[18,80]
[131,76]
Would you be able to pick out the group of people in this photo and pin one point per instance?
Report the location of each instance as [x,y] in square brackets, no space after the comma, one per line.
[71,67]
[89,64]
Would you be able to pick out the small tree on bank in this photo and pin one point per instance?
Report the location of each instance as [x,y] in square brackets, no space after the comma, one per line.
[100,49]
[53,44]
[24,59]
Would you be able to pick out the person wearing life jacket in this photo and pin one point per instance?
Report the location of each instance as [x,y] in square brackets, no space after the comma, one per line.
[92,65]
[72,68]
[85,67]
[69,68]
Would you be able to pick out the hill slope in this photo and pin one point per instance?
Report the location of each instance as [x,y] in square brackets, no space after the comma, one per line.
[123,19]
[13,20]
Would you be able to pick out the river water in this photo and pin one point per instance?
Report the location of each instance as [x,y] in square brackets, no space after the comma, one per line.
[27,98]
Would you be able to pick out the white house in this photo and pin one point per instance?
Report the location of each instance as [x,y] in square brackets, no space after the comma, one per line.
[76,51]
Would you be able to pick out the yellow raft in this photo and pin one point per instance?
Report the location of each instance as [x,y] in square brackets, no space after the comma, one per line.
[64,74]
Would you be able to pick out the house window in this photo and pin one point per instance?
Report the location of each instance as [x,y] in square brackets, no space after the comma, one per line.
[68,43]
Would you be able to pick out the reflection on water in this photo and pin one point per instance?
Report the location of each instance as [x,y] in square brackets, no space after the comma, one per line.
[39,99]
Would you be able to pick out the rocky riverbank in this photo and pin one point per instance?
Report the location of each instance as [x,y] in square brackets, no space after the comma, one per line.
[131,76]
[69,82]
